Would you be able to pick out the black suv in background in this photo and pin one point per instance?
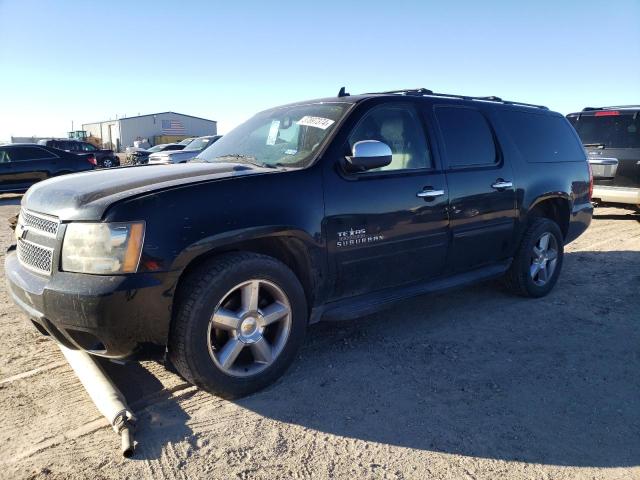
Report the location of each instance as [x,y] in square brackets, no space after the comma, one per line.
[328,209]
[104,157]
[23,164]
[611,137]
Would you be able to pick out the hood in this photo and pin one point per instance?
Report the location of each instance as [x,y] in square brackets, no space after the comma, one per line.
[86,196]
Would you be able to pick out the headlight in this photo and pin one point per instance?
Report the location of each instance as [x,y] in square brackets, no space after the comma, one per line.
[102,248]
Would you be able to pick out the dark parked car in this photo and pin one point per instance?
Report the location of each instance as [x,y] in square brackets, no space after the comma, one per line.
[141,157]
[611,138]
[105,158]
[22,165]
[189,152]
[327,209]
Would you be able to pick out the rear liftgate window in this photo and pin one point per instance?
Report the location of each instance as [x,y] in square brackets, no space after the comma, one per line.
[611,129]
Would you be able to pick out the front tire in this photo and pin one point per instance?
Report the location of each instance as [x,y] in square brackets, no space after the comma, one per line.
[538,261]
[239,322]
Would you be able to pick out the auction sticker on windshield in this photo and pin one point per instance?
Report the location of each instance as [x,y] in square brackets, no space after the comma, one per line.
[317,122]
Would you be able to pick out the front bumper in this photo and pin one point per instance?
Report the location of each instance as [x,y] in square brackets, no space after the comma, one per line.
[610,194]
[110,316]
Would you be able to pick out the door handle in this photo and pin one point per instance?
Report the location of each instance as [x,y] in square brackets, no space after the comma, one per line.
[427,192]
[501,184]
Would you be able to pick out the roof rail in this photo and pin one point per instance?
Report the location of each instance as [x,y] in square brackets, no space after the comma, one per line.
[591,109]
[429,93]
[404,91]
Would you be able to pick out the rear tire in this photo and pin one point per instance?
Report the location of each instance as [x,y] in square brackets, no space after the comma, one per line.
[238,324]
[538,261]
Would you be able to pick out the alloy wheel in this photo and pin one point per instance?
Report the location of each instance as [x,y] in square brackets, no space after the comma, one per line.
[544,259]
[249,328]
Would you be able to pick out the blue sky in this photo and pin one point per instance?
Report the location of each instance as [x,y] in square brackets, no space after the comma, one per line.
[92,60]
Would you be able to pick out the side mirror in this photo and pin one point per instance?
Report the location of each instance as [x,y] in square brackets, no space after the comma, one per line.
[367,155]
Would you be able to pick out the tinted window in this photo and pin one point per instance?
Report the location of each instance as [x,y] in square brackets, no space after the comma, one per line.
[611,129]
[468,140]
[87,147]
[174,147]
[29,153]
[399,127]
[4,156]
[543,138]
[64,145]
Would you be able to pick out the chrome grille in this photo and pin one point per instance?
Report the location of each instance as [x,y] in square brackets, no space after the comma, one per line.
[35,257]
[39,222]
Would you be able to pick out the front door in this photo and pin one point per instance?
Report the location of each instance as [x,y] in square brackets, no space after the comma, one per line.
[482,201]
[386,227]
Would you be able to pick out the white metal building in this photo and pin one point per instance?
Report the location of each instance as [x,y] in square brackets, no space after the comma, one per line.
[122,132]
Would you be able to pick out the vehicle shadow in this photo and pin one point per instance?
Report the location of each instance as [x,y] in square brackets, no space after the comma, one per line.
[618,216]
[481,373]
[161,420]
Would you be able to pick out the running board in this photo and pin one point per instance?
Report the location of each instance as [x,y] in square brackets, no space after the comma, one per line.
[363,305]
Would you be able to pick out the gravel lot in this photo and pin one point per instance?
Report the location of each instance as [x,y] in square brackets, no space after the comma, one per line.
[467,385]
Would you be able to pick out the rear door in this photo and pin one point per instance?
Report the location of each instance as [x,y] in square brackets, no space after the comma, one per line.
[482,201]
[612,141]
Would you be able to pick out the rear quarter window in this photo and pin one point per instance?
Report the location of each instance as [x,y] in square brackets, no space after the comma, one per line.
[543,138]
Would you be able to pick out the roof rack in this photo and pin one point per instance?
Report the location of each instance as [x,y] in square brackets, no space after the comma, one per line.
[429,93]
[613,107]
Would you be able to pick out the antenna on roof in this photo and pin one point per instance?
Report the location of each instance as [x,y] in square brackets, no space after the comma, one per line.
[343,92]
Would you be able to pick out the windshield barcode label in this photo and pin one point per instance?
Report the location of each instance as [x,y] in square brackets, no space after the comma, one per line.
[317,122]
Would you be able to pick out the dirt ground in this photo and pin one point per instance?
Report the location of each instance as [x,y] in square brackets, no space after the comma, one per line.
[475,384]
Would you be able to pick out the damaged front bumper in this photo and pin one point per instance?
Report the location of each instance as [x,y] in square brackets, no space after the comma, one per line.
[110,316]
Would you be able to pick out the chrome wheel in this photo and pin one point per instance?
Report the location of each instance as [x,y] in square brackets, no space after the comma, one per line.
[107,163]
[249,328]
[544,259]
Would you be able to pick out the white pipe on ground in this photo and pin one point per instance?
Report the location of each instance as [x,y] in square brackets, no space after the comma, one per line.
[105,395]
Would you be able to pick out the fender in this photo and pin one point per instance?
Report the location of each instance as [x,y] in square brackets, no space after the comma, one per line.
[239,236]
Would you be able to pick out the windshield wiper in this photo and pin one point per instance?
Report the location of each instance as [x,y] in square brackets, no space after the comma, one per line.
[250,159]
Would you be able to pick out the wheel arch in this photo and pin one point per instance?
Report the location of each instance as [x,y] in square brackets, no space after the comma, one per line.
[292,247]
[554,206]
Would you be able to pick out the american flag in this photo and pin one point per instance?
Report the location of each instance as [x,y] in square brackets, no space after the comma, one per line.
[172,127]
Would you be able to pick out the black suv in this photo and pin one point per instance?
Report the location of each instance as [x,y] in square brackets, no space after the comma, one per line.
[326,209]
[105,158]
[612,139]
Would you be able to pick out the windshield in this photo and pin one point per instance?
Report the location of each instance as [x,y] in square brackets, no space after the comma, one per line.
[198,144]
[285,136]
[157,148]
[186,141]
[611,129]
